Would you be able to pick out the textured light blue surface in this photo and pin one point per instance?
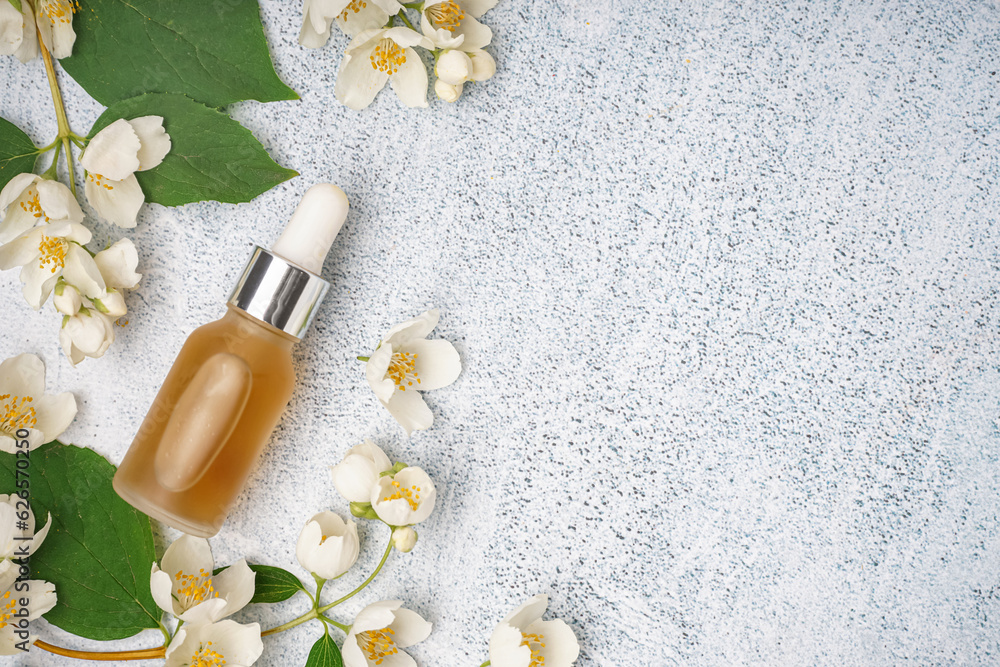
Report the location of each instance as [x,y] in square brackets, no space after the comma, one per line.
[723,276]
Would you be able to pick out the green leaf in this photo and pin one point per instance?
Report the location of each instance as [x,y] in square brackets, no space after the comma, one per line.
[17,152]
[214,52]
[325,653]
[16,4]
[99,550]
[272,584]
[212,157]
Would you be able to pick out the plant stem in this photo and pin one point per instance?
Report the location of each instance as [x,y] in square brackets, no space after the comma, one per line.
[57,101]
[385,557]
[344,628]
[402,15]
[308,616]
[50,173]
[144,654]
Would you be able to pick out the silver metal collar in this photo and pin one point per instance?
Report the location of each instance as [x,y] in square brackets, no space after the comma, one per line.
[277,292]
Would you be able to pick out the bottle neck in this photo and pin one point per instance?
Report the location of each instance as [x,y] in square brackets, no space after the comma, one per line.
[241,319]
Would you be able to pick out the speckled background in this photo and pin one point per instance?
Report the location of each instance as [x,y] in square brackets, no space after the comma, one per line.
[723,276]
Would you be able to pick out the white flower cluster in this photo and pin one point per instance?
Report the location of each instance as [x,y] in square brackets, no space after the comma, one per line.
[183,584]
[22,600]
[54,21]
[42,232]
[381,51]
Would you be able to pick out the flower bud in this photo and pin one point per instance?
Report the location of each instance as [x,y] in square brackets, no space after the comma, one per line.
[453,67]
[112,305]
[404,539]
[328,546]
[483,65]
[448,92]
[358,473]
[67,300]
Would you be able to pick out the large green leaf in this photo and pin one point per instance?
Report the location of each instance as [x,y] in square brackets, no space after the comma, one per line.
[272,584]
[99,550]
[212,157]
[17,152]
[214,52]
[325,653]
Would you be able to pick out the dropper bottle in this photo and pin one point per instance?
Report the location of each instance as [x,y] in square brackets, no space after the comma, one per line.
[232,380]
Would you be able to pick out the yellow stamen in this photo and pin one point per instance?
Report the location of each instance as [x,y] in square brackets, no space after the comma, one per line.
[59,11]
[195,588]
[99,181]
[387,56]
[15,413]
[33,207]
[447,15]
[410,495]
[53,252]
[356,6]
[7,610]
[206,657]
[535,644]
[402,369]
[378,644]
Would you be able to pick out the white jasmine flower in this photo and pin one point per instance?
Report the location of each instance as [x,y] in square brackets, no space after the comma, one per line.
[55,25]
[88,333]
[17,32]
[453,25]
[29,200]
[17,542]
[379,631]
[356,475]
[352,16]
[448,92]
[111,160]
[224,643]
[406,362]
[483,65]
[524,640]
[186,588]
[405,498]
[24,405]
[453,67]
[404,539]
[50,252]
[376,56]
[328,546]
[40,596]
[112,304]
[117,265]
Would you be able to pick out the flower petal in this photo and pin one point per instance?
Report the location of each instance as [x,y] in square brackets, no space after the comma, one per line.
[371,16]
[476,34]
[54,413]
[376,616]
[478,7]
[81,272]
[409,82]
[117,265]
[11,30]
[113,152]
[16,220]
[21,250]
[187,554]
[437,363]
[417,327]
[405,37]
[506,649]
[375,372]
[41,597]
[528,613]
[354,477]
[23,375]
[161,586]
[58,201]
[561,647]
[154,142]
[358,82]
[117,201]
[38,283]
[236,585]
[410,410]
[409,628]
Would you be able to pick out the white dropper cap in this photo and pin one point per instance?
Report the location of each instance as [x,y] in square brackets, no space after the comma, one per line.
[310,233]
